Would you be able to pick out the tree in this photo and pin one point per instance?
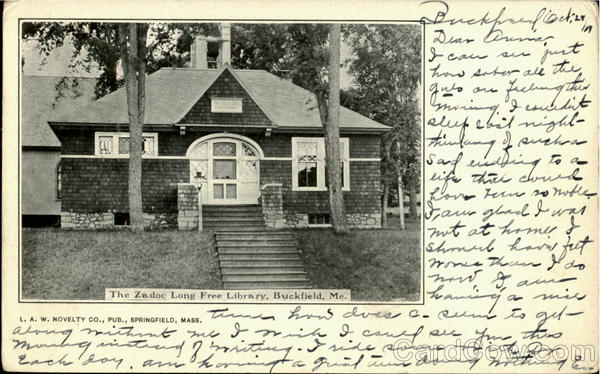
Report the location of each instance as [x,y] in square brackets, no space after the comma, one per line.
[133,63]
[97,45]
[332,133]
[386,71]
[309,54]
[94,43]
[261,46]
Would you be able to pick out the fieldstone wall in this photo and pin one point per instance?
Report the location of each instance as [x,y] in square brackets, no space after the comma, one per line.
[94,221]
[272,205]
[296,220]
[187,206]
[354,220]
[160,221]
[364,220]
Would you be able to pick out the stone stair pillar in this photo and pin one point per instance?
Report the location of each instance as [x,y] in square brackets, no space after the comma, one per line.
[272,205]
[187,207]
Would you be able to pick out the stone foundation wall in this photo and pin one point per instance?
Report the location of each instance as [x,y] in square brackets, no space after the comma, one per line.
[96,221]
[88,221]
[160,221]
[364,220]
[276,217]
[354,220]
[295,220]
[187,206]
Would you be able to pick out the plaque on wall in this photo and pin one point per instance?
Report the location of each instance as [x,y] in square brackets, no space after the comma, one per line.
[226,105]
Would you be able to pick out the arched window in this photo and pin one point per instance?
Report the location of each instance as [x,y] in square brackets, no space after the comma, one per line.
[58,181]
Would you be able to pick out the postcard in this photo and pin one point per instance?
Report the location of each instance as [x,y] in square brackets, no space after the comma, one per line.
[295,187]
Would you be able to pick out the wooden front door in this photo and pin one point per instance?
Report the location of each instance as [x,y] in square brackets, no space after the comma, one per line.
[231,169]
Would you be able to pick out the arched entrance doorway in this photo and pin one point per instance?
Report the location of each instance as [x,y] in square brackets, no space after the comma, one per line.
[230,166]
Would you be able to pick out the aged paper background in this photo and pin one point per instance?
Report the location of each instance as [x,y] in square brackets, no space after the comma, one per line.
[510,182]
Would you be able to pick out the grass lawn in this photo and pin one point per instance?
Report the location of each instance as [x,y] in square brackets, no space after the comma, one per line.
[376,265]
[61,264]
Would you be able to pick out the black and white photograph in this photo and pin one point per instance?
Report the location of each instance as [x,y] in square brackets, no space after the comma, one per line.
[221,156]
[270,186]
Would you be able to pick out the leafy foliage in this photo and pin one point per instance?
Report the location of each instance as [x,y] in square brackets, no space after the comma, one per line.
[98,42]
[386,71]
[293,51]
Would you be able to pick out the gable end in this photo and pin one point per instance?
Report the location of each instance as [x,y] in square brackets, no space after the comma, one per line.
[226,86]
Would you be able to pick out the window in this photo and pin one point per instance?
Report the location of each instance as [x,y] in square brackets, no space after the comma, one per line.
[224,168]
[319,219]
[116,144]
[308,164]
[58,181]
[121,219]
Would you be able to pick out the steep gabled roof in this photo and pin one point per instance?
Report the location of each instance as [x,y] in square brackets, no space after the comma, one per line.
[170,93]
[240,81]
[40,101]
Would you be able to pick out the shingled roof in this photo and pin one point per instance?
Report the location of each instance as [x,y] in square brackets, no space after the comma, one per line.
[40,101]
[171,92]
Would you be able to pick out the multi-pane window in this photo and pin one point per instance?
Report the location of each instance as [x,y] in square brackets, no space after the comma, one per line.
[104,145]
[309,167]
[319,219]
[224,167]
[117,144]
[224,149]
[307,164]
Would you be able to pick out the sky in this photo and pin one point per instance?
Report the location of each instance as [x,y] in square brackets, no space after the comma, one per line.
[57,63]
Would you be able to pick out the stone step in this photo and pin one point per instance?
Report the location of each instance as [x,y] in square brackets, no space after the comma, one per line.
[231,228]
[257,225]
[254,257]
[256,243]
[228,229]
[266,235]
[231,208]
[298,270]
[265,277]
[232,214]
[258,250]
[261,263]
[231,219]
[266,285]
[273,232]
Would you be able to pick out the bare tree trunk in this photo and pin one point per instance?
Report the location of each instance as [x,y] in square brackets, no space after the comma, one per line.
[131,69]
[413,201]
[401,201]
[384,204]
[332,135]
